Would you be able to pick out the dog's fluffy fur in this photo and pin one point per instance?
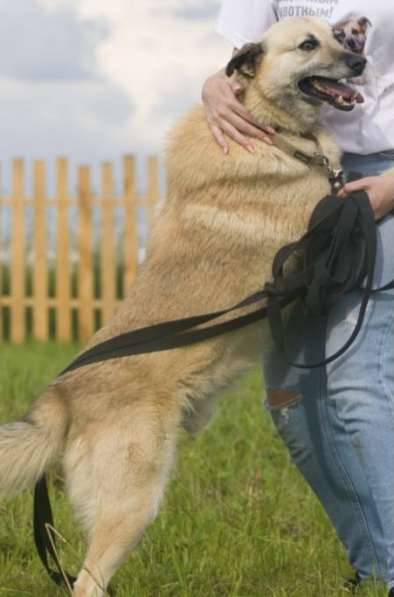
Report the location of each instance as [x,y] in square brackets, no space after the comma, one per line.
[115,423]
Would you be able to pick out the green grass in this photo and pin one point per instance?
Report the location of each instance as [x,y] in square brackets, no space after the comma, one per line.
[237,519]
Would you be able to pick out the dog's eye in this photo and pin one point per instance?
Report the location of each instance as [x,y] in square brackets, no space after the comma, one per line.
[309,45]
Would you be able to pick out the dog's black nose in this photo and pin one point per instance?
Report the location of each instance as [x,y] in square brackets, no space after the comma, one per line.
[356,63]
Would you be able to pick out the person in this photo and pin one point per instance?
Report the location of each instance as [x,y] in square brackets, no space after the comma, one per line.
[336,421]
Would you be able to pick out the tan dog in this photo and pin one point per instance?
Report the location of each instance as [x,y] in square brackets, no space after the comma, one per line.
[115,423]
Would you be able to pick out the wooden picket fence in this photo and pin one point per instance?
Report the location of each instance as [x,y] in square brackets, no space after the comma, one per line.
[73,304]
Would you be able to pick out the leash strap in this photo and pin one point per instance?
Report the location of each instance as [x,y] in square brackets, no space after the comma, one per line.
[335,261]
[280,292]
[170,334]
[330,279]
[337,227]
[44,537]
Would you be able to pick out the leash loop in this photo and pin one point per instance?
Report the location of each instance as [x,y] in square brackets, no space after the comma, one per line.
[338,251]
[42,523]
[345,260]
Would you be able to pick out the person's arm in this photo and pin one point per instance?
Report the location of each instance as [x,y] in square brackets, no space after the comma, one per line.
[380,190]
[240,21]
[226,115]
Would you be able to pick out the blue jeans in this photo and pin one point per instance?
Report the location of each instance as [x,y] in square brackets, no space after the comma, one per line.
[338,421]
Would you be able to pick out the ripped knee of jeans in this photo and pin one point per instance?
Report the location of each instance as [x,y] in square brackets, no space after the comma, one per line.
[280,397]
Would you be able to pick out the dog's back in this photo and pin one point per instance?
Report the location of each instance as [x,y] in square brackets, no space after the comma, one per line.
[116,421]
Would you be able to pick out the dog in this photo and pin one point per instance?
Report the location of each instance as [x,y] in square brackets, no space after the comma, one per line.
[352,33]
[114,424]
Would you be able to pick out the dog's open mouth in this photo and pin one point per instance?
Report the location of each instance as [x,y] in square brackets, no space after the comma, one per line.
[339,95]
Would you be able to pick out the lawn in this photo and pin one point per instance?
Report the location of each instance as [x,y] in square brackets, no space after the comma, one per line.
[237,519]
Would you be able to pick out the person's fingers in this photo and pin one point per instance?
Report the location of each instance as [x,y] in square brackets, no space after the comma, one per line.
[350,187]
[240,109]
[268,129]
[237,89]
[244,127]
[219,138]
[247,128]
[238,137]
[237,86]
[377,209]
[246,115]
[357,185]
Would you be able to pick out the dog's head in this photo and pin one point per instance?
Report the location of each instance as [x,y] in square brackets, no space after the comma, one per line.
[352,33]
[299,65]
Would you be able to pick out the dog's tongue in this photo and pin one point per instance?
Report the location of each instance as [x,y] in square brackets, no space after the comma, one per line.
[337,90]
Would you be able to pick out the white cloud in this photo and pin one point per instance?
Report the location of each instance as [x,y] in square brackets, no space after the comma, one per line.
[158,56]
[84,120]
[52,43]
[120,73]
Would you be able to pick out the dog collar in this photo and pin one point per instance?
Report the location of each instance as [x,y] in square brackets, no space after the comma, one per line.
[336,176]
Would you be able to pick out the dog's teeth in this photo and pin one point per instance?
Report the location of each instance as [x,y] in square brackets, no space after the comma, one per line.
[340,100]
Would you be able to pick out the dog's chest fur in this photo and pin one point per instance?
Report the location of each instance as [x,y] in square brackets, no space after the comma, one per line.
[263,197]
[212,244]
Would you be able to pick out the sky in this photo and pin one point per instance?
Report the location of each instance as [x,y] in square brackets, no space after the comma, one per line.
[94,79]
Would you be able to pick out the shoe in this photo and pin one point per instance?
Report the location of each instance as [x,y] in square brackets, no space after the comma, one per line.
[391,592]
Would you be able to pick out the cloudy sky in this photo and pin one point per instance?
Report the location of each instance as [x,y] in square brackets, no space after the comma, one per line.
[93,79]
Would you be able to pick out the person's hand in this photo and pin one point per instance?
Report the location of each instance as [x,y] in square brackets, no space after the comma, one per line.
[227,116]
[380,190]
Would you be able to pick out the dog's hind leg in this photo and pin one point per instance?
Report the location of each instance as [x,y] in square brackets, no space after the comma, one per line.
[116,487]
[115,534]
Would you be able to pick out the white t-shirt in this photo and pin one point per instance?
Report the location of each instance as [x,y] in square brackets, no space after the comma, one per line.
[366,26]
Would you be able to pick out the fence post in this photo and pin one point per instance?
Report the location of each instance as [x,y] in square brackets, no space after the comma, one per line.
[63,302]
[130,240]
[108,266]
[17,272]
[85,282]
[153,192]
[63,269]
[1,268]
[40,280]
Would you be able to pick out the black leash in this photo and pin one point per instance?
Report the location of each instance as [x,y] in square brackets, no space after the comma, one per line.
[338,251]
[44,537]
[172,334]
[345,257]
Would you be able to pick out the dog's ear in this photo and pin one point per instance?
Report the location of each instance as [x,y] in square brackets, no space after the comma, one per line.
[339,34]
[364,22]
[246,60]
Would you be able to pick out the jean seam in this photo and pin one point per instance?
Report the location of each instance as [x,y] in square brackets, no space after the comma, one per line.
[350,488]
[386,391]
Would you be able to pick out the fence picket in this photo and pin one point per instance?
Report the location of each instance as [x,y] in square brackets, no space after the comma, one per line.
[63,269]
[17,268]
[85,279]
[130,240]
[40,280]
[108,265]
[153,188]
[2,247]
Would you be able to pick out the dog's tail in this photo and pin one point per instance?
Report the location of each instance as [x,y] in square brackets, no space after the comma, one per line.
[28,447]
